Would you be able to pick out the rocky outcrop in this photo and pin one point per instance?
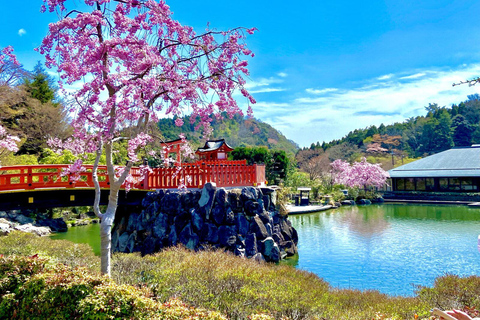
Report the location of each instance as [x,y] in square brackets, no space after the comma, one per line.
[243,221]
[7,226]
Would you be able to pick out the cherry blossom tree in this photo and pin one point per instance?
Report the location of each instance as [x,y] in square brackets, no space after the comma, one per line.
[360,174]
[134,62]
[8,65]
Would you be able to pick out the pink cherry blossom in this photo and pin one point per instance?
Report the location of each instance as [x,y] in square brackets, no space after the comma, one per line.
[360,174]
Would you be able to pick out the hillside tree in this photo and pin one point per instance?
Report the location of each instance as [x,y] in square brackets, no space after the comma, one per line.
[133,61]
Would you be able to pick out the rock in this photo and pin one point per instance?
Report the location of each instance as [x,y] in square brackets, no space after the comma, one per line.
[131,242]
[218,214]
[3,214]
[240,252]
[221,197]
[5,229]
[56,225]
[160,226]
[364,201]
[269,229]
[227,236]
[190,199]
[258,228]
[249,194]
[133,221]
[234,200]
[242,224]
[123,241]
[285,229]
[229,217]
[290,248]
[197,220]
[258,257]
[252,208]
[171,203]
[348,202]
[266,202]
[39,231]
[188,238]
[148,246]
[209,233]
[172,237]
[24,220]
[251,245]
[207,198]
[270,250]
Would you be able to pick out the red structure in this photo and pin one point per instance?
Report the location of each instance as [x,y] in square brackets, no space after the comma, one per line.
[214,150]
[173,147]
[192,175]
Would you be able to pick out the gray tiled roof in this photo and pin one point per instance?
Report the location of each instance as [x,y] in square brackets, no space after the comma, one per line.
[456,162]
[212,145]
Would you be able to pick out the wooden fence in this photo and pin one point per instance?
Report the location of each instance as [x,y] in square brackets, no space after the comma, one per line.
[193,175]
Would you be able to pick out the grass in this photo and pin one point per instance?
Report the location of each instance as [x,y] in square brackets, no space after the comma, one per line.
[244,289]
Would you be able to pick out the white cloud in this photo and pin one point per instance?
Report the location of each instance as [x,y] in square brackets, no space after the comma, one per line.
[266,90]
[385,77]
[307,119]
[282,74]
[21,32]
[320,91]
[414,76]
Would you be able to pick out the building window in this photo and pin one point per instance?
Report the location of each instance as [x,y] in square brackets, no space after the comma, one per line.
[468,185]
[454,184]
[222,155]
[443,182]
[410,184]
[420,184]
[429,184]
[400,184]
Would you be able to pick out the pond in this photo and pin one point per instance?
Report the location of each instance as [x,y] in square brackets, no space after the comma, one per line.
[390,247]
[89,234]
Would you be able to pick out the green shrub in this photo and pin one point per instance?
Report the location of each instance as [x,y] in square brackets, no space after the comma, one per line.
[62,251]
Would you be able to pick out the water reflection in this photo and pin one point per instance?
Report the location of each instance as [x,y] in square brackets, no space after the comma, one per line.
[388,247]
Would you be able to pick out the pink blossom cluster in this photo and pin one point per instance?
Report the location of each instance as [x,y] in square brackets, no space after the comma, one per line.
[74,171]
[7,55]
[135,61]
[360,174]
[8,142]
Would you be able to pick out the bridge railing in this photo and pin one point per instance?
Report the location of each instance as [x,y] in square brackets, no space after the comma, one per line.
[194,175]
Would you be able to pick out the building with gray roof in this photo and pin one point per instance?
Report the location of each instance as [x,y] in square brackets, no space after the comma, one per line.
[454,170]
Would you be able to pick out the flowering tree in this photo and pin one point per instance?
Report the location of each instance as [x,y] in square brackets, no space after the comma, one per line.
[134,62]
[8,67]
[360,174]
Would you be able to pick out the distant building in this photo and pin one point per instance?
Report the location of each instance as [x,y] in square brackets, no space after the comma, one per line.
[214,150]
[454,170]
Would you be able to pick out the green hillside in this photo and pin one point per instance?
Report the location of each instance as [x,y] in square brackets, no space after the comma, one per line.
[238,132]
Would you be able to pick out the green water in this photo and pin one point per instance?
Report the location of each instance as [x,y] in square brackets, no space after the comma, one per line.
[89,234]
[390,248]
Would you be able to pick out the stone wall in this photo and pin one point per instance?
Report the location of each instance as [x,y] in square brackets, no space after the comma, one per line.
[243,221]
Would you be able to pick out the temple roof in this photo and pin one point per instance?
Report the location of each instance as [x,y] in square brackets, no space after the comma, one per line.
[212,145]
[456,162]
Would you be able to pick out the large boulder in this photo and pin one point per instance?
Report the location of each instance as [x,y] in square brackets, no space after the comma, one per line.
[23,220]
[207,198]
[227,236]
[170,203]
[197,220]
[39,231]
[253,208]
[221,197]
[270,250]
[257,227]
[188,238]
[160,226]
[209,233]
[251,245]
[242,224]
[56,225]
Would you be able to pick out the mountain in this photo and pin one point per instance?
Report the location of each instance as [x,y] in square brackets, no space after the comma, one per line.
[238,132]
[440,129]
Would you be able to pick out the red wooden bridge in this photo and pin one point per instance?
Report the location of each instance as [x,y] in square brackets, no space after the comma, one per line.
[20,185]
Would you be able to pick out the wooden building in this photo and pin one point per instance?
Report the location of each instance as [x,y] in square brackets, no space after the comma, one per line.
[214,150]
[454,170]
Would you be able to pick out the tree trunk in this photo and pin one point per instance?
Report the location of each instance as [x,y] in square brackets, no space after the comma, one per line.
[106,231]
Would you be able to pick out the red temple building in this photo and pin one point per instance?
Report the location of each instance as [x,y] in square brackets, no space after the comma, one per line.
[214,150]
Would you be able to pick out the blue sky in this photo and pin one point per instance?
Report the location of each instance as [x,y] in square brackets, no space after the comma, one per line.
[324,68]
